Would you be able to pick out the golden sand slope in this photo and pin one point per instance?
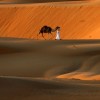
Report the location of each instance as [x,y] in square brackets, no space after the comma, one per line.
[77,20]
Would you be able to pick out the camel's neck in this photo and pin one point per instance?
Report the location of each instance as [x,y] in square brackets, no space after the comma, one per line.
[53,30]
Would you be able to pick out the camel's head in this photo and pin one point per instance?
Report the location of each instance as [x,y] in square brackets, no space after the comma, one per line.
[57,28]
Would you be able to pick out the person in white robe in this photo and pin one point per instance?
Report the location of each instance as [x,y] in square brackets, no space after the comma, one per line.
[58,34]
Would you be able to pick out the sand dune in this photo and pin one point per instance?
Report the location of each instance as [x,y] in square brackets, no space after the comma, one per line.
[57,59]
[77,20]
[40,89]
[49,70]
[42,70]
[37,1]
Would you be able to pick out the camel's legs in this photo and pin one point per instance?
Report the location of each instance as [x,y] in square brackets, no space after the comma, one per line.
[43,36]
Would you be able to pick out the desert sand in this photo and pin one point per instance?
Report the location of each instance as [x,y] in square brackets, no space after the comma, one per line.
[41,70]
[33,69]
[77,19]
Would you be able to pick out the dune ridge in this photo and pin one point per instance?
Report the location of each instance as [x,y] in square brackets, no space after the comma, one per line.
[37,1]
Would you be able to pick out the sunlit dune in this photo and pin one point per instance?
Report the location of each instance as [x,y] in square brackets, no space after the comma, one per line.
[66,69]
[77,20]
[81,76]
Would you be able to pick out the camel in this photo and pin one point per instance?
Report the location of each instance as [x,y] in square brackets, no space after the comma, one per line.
[47,30]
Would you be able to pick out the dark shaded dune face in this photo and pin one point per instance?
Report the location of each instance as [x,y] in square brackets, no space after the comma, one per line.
[36,1]
[41,89]
[9,49]
[77,59]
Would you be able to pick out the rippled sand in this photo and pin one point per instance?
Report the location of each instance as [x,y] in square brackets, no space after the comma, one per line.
[49,70]
[41,70]
[77,19]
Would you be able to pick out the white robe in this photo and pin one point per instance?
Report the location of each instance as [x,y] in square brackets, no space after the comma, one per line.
[58,35]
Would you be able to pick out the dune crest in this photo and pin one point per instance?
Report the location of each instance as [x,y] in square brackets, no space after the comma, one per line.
[39,1]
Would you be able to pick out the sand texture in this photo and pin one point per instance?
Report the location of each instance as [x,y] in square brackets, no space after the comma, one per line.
[41,70]
[33,69]
[77,19]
